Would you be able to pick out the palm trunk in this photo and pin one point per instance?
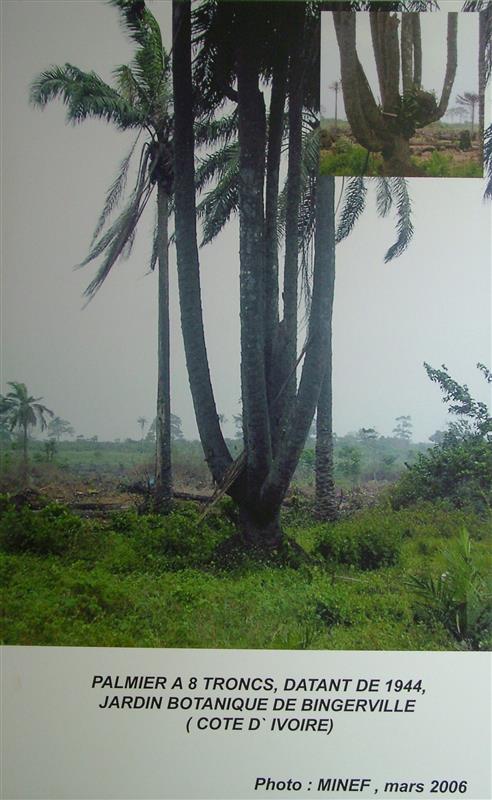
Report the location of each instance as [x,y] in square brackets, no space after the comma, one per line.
[163,471]
[296,70]
[275,132]
[293,440]
[25,460]
[252,133]
[216,452]
[325,500]
[396,156]
[484,35]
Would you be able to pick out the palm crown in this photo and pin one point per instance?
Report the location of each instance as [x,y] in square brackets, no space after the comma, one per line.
[19,410]
[141,100]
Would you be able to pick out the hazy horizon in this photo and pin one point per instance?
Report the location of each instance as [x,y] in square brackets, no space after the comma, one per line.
[97,367]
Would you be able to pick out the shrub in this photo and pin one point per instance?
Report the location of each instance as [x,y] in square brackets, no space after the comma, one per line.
[346,158]
[367,541]
[181,539]
[54,530]
[439,165]
[459,472]
[460,467]
[457,598]
[89,596]
[465,140]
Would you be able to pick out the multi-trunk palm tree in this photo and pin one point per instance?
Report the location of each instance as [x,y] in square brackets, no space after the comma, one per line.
[19,412]
[221,168]
[140,100]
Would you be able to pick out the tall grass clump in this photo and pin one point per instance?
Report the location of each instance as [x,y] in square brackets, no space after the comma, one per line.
[458,597]
[366,541]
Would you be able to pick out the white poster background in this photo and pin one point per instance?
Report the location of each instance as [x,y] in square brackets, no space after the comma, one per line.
[59,743]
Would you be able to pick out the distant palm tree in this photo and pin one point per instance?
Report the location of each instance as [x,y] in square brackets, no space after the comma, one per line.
[142,421]
[20,411]
[140,100]
[336,87]
[469,100]
[59,427]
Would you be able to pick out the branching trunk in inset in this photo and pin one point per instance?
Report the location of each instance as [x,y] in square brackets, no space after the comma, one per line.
[405,106]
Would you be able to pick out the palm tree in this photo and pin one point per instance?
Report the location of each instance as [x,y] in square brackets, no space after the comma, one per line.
[20,411]
[59,427]
[335,87]
[142,421]
[221,202]
[469,100]
[139,100]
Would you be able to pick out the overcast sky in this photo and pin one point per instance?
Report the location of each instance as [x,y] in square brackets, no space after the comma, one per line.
[97,367]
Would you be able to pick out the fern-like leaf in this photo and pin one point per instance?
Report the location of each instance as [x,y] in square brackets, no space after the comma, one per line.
[85,95]
[404,226]
[114,192]
[354,204]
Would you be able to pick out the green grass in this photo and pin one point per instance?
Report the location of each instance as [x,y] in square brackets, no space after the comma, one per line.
[148,582]
[345,158]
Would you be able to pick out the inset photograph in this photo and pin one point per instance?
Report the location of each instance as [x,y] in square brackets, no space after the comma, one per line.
[402,94]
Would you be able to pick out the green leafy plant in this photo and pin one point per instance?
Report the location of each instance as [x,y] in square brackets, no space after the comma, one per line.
[458,597]
[367,541]
[459,467]
[54,530]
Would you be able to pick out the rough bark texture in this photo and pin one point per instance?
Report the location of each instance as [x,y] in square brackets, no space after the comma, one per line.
[484,52]
[451,64]
[260,528]
[407,40]
[396,155]
[325,500]
[292,442]
[290,290]
[163,471]
[252,133]
[275,132]
[258,480]
[360,106]
[417,51]
[384,33]
[216,453]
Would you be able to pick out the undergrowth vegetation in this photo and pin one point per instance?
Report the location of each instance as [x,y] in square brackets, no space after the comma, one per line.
[373,580]
[347,158]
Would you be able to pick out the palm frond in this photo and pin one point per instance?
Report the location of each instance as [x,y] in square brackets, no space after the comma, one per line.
[354,204]
[215,165]
[116,239]
[309,170]
[114,193]
[40,414]
[85,95]
[128,246]
[127,84]
[404,226]
[139,23]
[218,132]
[122,230]
[384,198]
[154,257]
[220,203]
[151,62]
